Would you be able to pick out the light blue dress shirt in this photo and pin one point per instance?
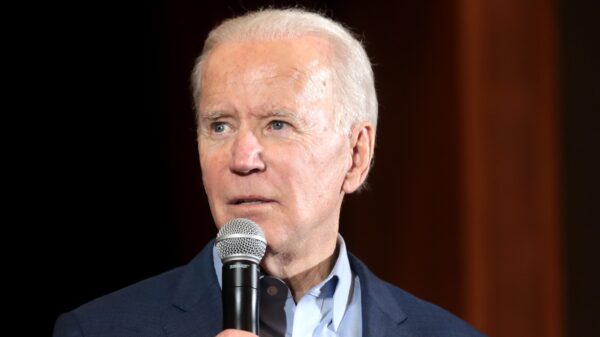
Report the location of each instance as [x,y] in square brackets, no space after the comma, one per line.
[331,308]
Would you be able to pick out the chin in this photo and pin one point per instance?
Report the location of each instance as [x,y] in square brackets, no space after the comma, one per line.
[274,246]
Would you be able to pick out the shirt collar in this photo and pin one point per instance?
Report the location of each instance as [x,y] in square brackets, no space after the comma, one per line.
[341,273]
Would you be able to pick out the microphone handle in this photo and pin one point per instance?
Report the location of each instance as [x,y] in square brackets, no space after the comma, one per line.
[240,295]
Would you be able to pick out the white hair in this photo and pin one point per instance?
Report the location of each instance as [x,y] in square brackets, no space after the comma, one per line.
[355,89]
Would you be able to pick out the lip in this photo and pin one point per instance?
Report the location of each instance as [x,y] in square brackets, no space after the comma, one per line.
[249,200]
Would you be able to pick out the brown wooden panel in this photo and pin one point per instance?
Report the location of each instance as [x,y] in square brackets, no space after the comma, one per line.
[510,179]
[405,226]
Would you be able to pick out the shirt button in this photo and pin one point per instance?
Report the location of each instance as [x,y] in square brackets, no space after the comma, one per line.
[272,290]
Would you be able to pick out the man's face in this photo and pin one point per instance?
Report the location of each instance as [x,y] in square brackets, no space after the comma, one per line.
[268,145]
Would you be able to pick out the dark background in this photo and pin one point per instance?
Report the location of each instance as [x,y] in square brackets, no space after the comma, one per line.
[580,126]
[111,183]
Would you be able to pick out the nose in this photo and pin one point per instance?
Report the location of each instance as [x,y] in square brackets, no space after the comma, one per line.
[246,157]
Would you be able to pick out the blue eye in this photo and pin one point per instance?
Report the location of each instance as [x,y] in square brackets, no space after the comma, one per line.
[218,127]
[277,125]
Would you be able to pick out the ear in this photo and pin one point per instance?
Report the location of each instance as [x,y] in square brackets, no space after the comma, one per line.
[362,143]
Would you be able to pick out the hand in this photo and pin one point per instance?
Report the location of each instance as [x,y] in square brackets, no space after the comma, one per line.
[235,333]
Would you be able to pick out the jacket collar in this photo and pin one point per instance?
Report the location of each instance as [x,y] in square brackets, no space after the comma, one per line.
[197,297]
[381,312]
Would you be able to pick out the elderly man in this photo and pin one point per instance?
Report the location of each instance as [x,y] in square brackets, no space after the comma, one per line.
[287,113]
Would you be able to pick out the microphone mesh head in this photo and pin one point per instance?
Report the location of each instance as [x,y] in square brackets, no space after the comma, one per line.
[241,239]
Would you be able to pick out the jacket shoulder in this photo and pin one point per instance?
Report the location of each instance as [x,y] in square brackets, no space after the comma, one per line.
[145,308]
[384,302]
[135,310]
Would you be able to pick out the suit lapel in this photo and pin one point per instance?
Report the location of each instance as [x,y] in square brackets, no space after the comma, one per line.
[381,313]
[199,311]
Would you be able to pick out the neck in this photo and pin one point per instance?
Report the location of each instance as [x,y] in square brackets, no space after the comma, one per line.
[301,272]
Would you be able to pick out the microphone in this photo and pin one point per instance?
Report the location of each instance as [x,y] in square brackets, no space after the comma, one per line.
[241,245]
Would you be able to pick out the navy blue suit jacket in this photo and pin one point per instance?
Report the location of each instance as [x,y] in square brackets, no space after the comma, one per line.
[186,301]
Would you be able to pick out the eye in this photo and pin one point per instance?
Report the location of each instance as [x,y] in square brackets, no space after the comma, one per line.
[278,125]
[218,127]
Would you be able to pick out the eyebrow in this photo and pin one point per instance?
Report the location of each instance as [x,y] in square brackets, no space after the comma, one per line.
[279,112]
[213,115]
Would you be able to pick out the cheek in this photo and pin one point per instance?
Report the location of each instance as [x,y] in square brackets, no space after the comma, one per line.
[210,165]
[323,169]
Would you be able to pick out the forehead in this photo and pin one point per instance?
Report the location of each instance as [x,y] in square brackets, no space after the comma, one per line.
[291,57]
[280,69]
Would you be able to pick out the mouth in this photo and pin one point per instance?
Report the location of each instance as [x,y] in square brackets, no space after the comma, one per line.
[250,200]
